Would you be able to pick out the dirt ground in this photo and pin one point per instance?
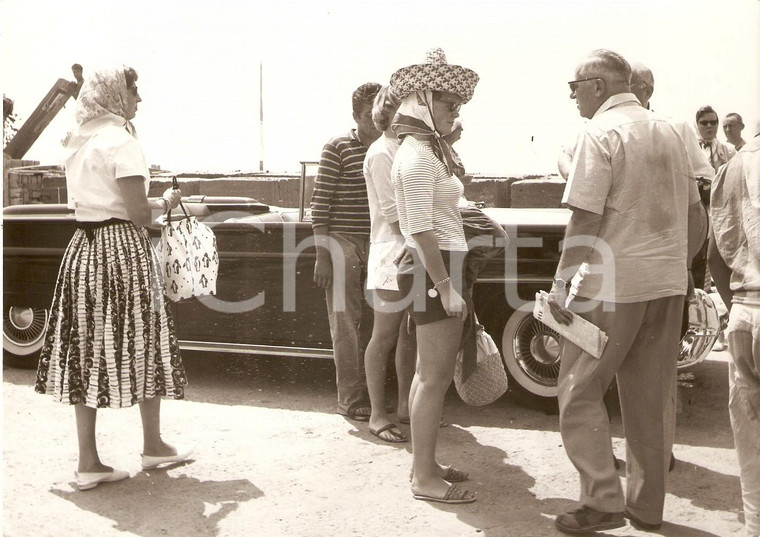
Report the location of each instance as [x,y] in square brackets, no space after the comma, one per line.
[273,459]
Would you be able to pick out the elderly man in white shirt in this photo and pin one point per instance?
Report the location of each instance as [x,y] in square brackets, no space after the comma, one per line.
[633,198]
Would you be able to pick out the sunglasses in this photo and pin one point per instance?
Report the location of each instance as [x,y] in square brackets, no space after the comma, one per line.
[574,83]
[452,107]
[706,122]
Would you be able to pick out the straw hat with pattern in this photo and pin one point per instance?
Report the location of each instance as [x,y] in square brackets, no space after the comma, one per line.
[435,75]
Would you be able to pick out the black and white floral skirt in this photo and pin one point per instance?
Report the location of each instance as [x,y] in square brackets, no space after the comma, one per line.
[111,340]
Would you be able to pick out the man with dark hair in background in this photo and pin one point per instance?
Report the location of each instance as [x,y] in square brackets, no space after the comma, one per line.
[642,86]
[341,226]
[733,125]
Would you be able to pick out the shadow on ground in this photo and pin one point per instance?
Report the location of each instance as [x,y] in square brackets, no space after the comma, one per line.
[155,504]
[308,385]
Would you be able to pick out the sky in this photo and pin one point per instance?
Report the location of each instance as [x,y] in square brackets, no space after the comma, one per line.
[198,63]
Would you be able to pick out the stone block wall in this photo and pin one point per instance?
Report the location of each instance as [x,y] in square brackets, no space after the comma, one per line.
[48,185]
[539,192]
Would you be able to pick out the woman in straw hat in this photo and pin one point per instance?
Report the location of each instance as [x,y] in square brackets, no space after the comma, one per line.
[431,269]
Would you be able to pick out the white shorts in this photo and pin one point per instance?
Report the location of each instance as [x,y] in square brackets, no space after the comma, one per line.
[381,269]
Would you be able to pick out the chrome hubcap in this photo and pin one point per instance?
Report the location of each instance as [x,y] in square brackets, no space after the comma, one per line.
[24,326]
[536,348]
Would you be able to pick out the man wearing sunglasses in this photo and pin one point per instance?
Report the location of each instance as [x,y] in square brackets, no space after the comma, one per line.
[632,212]
[716,151]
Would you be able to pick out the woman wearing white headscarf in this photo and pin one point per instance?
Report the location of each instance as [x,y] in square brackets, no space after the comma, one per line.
[431,270]
[111,341]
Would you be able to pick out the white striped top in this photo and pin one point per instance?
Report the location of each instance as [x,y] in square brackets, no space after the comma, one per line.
[427,196]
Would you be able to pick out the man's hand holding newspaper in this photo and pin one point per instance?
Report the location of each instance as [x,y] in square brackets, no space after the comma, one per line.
[557,301]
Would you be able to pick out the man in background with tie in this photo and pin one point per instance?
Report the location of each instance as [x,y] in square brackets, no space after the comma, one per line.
[716,151]
[717,154]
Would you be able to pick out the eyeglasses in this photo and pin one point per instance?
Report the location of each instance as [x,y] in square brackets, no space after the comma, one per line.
[706,122]
[574,83]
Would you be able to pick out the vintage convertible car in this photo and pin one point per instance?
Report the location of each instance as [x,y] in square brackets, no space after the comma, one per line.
[266,302]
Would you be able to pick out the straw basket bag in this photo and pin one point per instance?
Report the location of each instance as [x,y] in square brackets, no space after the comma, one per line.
[489,380]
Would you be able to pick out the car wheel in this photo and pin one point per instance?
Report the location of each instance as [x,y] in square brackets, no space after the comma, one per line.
[23,334]
[531,353]
[531,349]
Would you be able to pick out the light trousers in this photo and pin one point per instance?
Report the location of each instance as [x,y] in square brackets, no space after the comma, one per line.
[350,318]
[743,335]
[641,352]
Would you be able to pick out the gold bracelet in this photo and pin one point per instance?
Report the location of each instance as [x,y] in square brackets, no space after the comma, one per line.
[167,204]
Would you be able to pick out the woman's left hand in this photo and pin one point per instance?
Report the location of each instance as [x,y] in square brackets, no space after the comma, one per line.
[173,196]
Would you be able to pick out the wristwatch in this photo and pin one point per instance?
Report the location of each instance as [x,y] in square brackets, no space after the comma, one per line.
[433,291]
[559,283]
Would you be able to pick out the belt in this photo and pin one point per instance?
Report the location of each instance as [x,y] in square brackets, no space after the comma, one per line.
[90,227]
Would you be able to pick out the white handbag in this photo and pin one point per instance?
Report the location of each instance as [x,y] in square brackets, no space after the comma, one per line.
[489,380]
[188,255]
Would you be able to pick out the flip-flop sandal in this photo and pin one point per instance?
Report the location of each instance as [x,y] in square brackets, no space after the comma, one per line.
[454,494]
[396,436]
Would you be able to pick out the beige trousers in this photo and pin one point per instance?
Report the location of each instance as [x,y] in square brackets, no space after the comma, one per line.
[641,352]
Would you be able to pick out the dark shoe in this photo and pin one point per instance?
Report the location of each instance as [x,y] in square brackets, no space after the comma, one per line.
[639,524]
[586,519]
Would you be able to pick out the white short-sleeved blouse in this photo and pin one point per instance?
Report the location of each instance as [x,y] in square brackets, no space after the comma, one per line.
[99,154]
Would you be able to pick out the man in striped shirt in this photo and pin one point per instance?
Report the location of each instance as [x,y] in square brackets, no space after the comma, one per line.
[341,225]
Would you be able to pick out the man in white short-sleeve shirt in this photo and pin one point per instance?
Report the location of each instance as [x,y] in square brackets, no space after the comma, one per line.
[633,196]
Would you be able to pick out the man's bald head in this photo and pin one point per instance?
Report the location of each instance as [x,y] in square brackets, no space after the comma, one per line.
[642,83]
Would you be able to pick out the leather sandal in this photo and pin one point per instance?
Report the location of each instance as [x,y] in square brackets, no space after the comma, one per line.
[454,494]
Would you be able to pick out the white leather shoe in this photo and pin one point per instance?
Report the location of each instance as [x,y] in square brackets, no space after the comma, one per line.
[150,461]
[90,480]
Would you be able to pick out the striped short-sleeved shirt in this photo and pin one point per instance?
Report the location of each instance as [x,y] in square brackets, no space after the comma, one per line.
[339,200]
[427,196]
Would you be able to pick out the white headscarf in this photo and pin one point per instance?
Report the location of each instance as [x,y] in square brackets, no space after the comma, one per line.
[415,116]
[103,97]
[103,92]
